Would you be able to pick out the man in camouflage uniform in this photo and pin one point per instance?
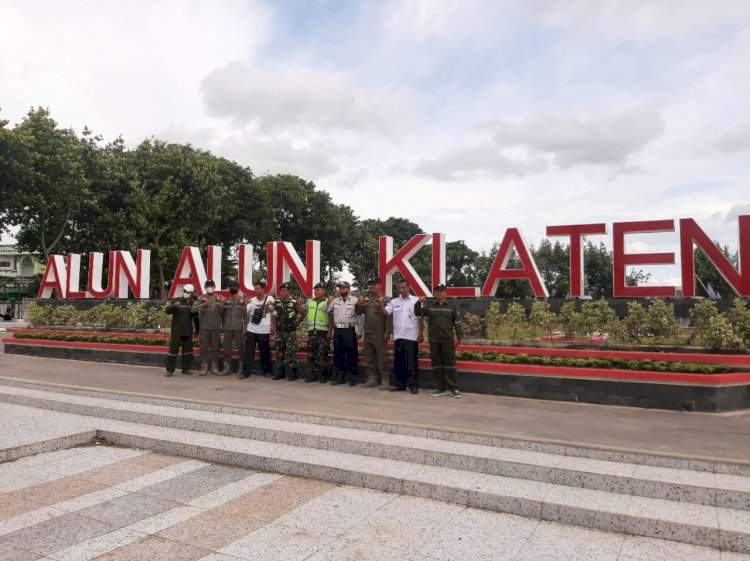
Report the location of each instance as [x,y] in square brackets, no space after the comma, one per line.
[209,307]
[317,329]
[182,331]
[234,327]
[287,314]
[376,325]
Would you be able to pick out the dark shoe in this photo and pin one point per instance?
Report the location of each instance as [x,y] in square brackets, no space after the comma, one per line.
[336,382]
[414,389]
[280,374]
[169,373]
[322,380]
[352,383]
[187,372]
[311,379]
[291,378]
[397,389]
[242,376]
[266,374]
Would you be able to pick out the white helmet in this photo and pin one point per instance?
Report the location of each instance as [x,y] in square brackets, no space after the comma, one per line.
[188,288]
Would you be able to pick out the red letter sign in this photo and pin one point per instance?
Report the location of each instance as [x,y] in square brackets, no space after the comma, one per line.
[576,232]
[54,278]
[622,260]
[390,263]
[514,240]
[738,279]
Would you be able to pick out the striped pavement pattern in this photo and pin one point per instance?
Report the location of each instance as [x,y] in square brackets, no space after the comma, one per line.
[118,504]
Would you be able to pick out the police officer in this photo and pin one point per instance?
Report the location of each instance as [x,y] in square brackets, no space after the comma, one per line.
[233,321]
[317,331]
[181,331]
[287,314]
[372,307]
[342,319]
[209,307]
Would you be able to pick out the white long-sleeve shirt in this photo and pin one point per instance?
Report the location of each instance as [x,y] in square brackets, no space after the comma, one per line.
[405,321]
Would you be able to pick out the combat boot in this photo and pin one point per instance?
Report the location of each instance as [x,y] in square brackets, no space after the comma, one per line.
[312,377]
[370,382]
[280,374]
[293,376]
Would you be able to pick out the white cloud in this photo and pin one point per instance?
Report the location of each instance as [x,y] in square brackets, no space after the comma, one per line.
[736,140]
[303,97]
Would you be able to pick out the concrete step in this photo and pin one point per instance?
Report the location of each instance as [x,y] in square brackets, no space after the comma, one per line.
[160,427]
[710,485]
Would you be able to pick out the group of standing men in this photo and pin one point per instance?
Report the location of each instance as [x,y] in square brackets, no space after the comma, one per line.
[340,320]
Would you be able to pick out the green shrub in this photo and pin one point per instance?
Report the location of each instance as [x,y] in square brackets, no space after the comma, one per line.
[635,324]
[739,319]
[701,314]
[570,320]
[541,318]
[40,316]
[515,318]
[493,321]
[661,321]
[64,316]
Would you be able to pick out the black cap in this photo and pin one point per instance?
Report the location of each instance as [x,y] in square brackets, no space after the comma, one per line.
[440,286]
[209,282]
[375,280]
[233,284]
[261,283]
[319,285]
[285,285]
[344,284]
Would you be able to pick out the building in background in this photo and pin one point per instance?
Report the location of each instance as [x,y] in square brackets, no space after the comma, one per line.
[18,277]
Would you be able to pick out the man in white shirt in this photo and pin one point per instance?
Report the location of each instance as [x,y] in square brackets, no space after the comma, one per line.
[407,334]
[258,331]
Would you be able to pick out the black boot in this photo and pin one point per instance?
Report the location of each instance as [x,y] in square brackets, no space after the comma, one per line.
[293,375]
[312,377]
[339,378]
[280,374]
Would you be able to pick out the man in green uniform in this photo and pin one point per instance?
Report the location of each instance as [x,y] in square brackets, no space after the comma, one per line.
[182,331]
[209,308]
[317,329]
[375,347]
[287,313]
[444,334]
[233,321]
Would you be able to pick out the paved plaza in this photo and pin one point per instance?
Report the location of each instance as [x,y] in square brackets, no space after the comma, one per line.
[105,461]
[114,503]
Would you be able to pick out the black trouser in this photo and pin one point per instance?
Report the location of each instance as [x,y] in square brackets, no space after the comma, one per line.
[405,363]
[443,358]
[262,340]
[175,342]
[345,353]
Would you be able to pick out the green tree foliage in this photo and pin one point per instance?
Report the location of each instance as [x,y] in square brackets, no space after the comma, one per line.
[571,320]
[739,319]
[541,318]
[661,321]
[635,323]
[706,275]
[48,182]
[493,320]
[515,319]
[598,317]
[460,264]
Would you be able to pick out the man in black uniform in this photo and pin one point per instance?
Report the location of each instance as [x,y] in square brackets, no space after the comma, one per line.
[182,330]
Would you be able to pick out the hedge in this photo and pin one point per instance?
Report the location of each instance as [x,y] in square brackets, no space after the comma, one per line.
[474,356]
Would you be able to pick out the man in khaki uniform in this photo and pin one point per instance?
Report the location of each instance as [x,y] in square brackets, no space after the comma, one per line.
[209,307]
[375,347]
[234,327]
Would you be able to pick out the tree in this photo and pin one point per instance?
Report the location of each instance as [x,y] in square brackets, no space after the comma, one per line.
[553,262]
[542,318]
[515,318]
[299,213]
[49,186]
[739,318]
[598,317]
[636,322]
[460,264]
[708,277]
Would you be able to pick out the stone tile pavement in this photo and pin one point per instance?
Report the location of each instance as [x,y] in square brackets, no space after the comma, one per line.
[112,503]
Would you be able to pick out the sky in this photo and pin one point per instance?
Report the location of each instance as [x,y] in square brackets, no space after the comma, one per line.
[466,117]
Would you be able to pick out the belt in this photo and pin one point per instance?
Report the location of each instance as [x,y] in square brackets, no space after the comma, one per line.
[343,325]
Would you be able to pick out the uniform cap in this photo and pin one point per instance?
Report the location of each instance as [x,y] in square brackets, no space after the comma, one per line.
[440,286]
[285,285]
[188,288]
[209,282]
[375,280]
[344,284]
[319,285]
[233,284]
